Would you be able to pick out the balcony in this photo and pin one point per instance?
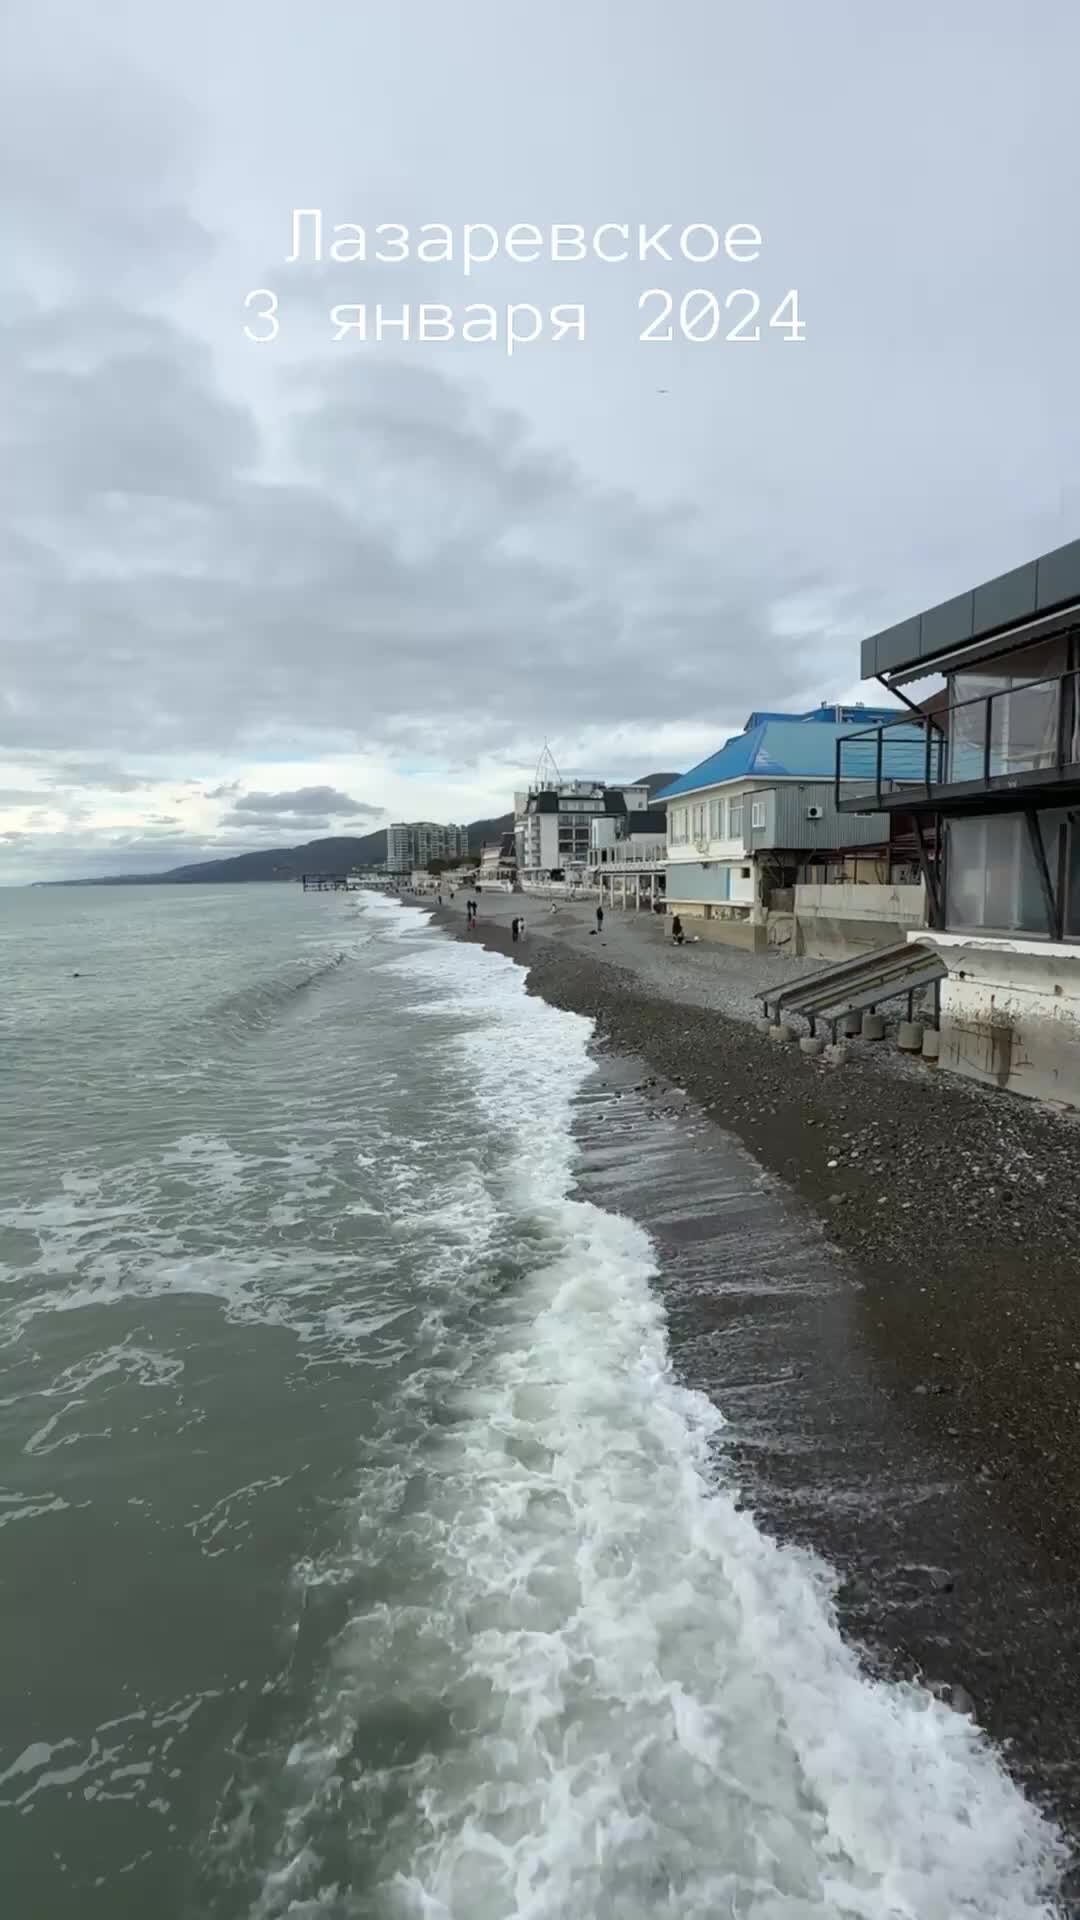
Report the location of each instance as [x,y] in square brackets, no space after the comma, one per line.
[979,754]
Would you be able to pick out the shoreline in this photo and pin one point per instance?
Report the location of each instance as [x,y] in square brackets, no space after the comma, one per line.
[917,1424]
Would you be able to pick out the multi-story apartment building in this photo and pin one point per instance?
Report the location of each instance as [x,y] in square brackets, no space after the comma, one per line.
[411,844]
[553,825]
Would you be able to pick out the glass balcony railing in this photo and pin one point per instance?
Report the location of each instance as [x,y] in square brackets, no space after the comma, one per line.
[1022,735]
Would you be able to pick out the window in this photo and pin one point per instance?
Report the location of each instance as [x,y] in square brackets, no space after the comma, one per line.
[678,826]
[1023,718]
[735,818]
[993,882]
[715,810]
[757,814]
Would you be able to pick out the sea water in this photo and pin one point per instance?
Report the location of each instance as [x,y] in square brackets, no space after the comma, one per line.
[360,1554]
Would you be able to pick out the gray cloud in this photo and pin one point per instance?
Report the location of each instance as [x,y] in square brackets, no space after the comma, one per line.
[448,555]
[91,773]
[276,824]
[307,800]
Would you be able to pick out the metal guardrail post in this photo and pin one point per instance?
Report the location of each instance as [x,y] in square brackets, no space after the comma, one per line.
[877,768]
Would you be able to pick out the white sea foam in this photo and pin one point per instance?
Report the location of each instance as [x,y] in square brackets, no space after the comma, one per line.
[650,1708]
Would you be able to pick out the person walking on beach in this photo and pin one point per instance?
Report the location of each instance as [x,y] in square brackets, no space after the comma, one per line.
[599,919]
[514,925]
[521,928]
[677,933]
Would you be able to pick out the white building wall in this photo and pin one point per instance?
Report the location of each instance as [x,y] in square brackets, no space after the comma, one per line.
[1010,1013]
[699,826]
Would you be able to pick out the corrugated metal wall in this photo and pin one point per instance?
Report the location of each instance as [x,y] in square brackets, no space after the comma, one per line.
[786,824]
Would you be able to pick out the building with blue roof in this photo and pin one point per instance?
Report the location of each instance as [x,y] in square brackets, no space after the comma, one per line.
[761,815]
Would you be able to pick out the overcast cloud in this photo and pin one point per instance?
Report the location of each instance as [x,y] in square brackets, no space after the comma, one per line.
[250,592]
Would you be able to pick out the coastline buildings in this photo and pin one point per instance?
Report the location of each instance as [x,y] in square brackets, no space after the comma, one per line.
[761,815]
[411,844]
[498,863]
[994,780]
[627,857]
[553,826]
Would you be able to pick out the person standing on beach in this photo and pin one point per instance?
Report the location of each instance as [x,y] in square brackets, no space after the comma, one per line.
[599,919]
[514,924]
[521,928]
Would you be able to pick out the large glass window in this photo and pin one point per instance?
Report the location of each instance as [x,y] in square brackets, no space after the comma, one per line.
[735,820]
[1023,717]
[993,874]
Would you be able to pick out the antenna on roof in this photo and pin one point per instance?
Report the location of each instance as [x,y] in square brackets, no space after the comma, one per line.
[547,773]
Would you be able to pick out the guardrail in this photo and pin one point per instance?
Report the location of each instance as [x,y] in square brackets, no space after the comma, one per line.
[1011,736]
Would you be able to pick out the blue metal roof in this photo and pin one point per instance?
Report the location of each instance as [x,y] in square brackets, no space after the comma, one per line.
[829,714]
[789,749]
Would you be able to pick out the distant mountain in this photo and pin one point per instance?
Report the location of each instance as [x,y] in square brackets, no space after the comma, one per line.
[655,781]
[273,863]
[314,856]
[334,855]
[481,832]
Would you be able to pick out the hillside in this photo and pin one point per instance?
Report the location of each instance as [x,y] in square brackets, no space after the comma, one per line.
[333,855]
[654,781]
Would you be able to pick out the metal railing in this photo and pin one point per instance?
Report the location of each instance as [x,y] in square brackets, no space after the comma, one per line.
[1014,736]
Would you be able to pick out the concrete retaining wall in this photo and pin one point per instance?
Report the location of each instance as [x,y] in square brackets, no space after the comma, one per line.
[713,923]
[1010,1014]
[839,921]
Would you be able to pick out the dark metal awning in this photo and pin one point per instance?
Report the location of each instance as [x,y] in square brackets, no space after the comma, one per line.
[1031,602]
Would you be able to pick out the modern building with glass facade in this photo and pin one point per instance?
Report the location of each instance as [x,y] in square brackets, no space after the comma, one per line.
[993,781]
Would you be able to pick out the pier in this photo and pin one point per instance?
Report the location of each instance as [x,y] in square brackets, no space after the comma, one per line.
[352,881]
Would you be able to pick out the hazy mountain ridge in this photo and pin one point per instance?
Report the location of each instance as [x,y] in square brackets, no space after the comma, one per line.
[333,855]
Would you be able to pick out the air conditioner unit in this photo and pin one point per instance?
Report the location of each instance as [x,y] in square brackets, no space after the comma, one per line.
[815,813]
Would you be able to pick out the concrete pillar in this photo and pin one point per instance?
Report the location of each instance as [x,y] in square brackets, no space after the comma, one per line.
[837,1053]
[873,1026]
[910,1037]
[812,1044]
[850,1025]
[782,1034]
[764,1025]
[931,1043]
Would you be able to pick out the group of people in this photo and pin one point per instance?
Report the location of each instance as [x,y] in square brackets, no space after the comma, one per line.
[517,927]
[470,913]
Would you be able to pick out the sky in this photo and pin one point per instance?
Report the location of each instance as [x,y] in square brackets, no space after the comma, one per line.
[252,590]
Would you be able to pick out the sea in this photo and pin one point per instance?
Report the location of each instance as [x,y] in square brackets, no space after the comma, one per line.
[361,1555]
